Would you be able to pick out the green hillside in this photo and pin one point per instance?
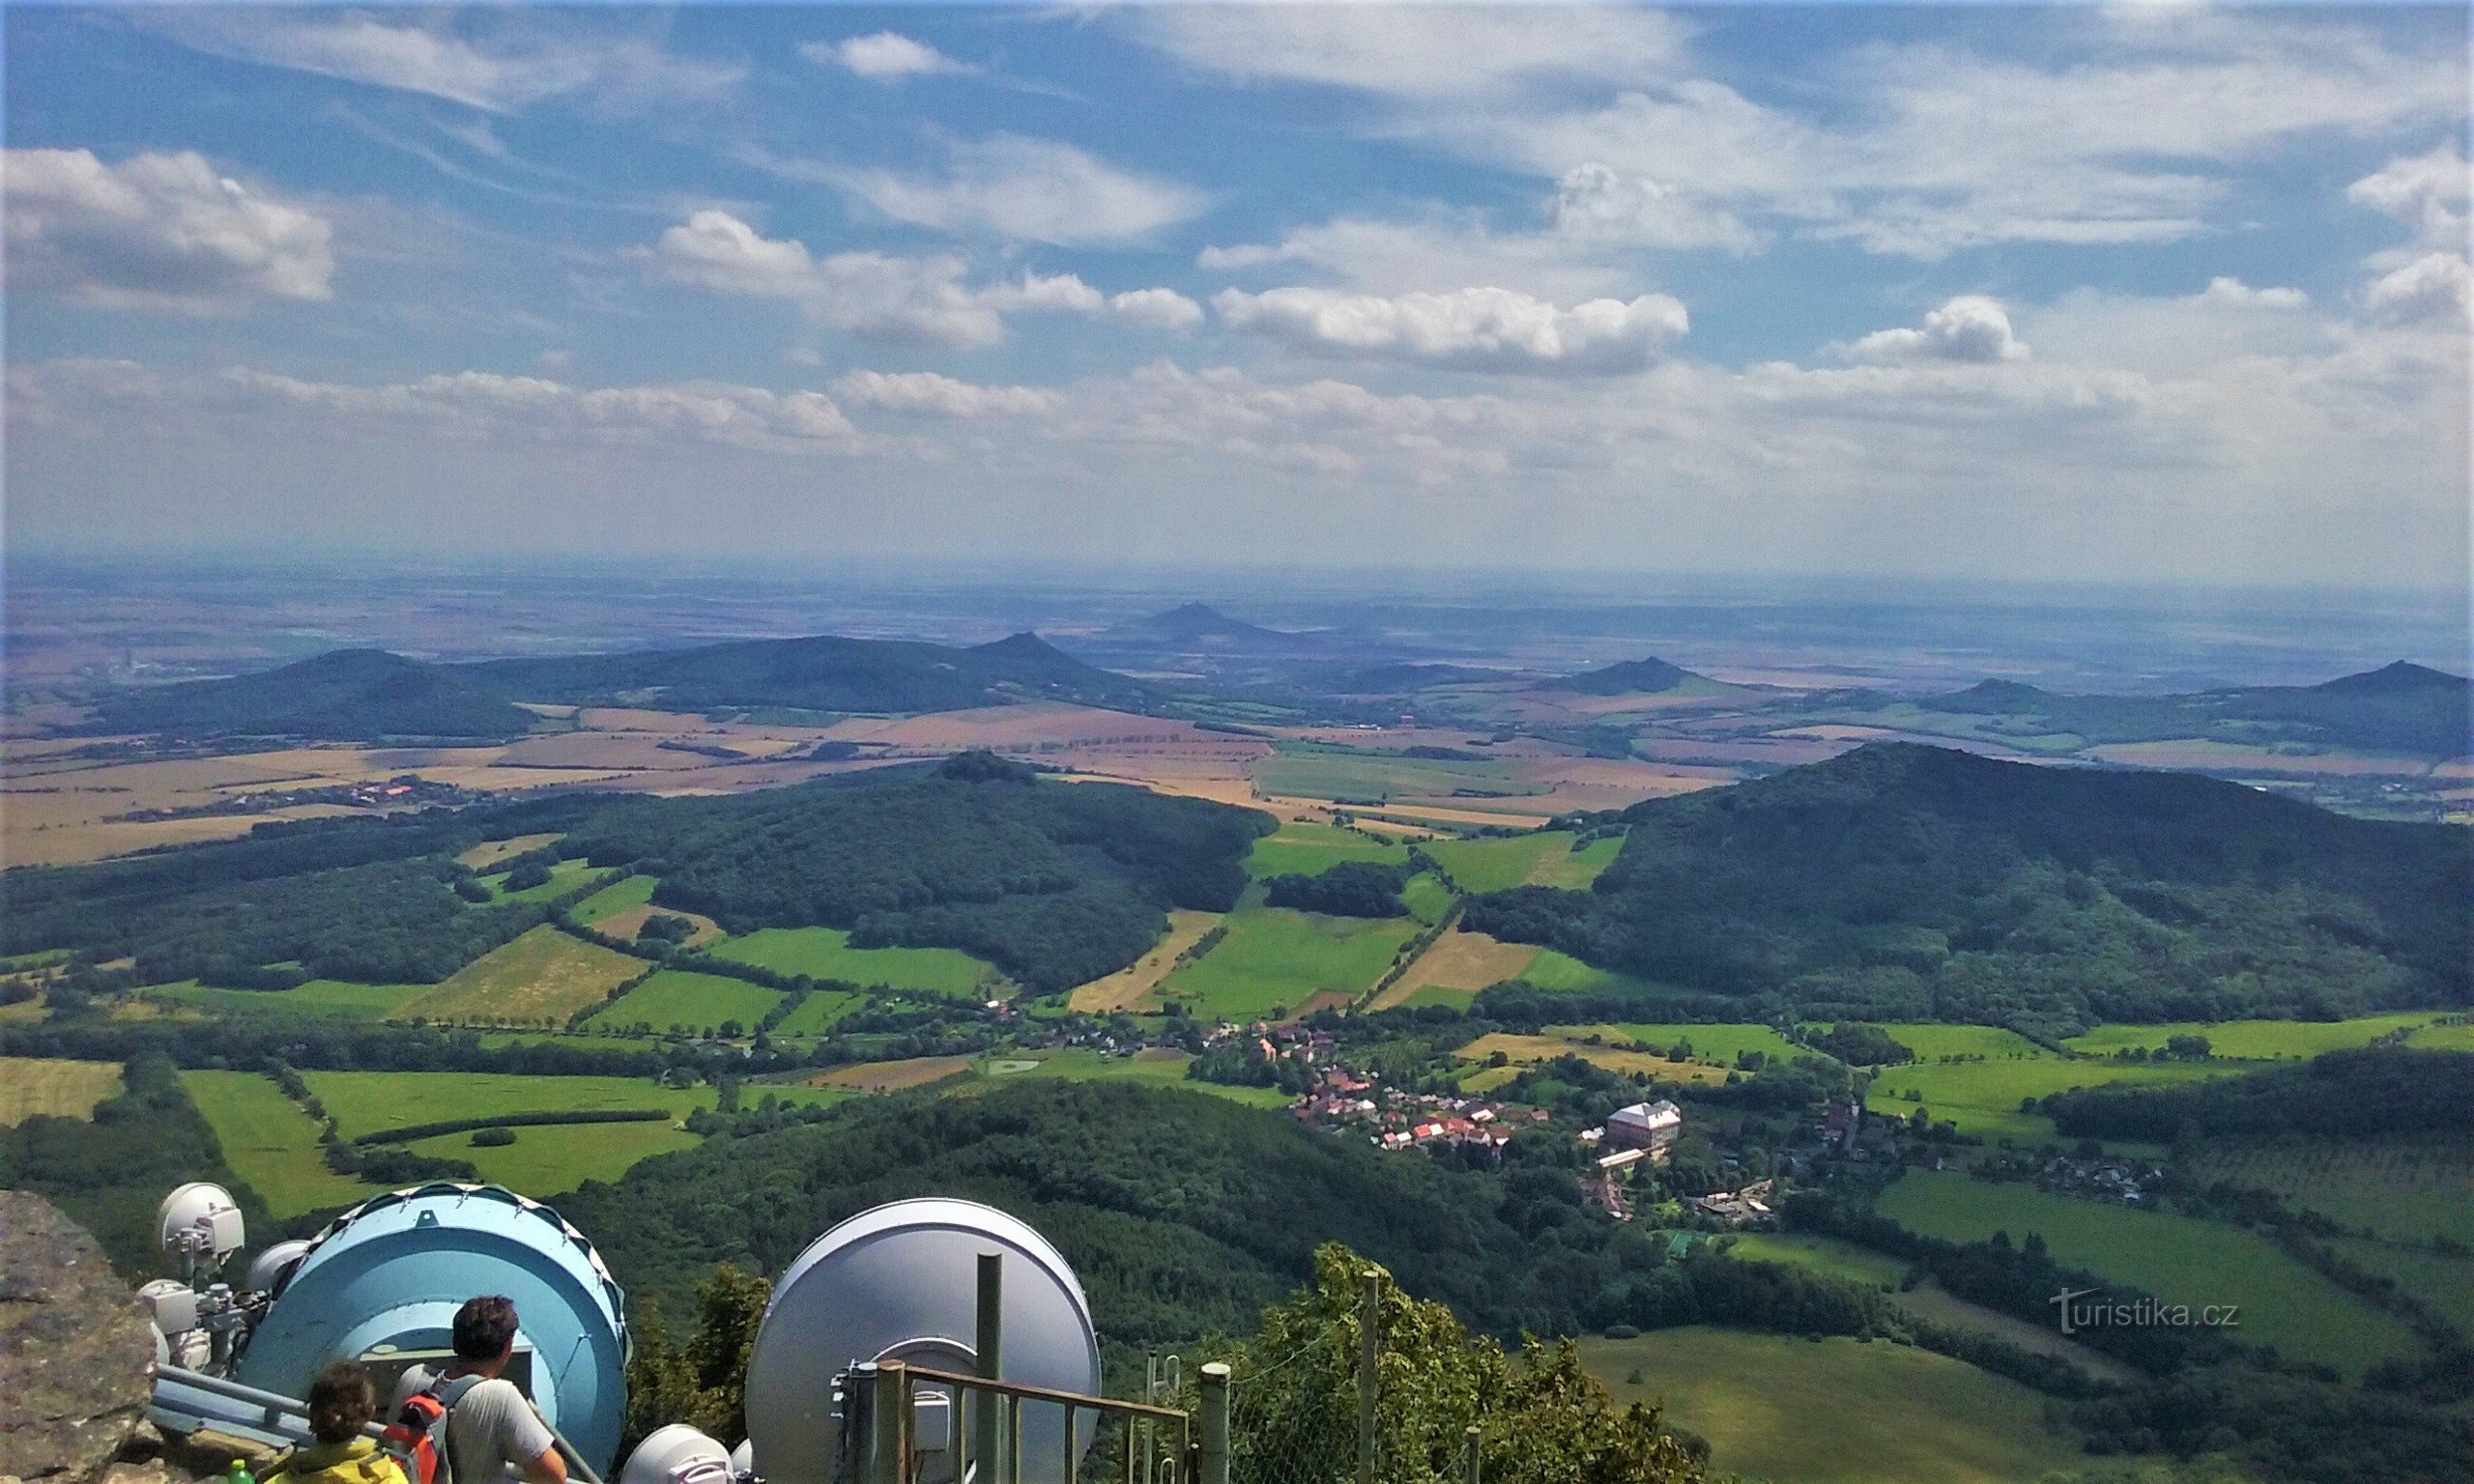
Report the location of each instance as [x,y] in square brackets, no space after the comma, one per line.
[346,696]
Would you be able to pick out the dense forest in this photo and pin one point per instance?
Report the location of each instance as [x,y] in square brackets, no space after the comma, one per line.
[2343,1094]
[1349,888]
[1899,882]
[345,695]
[1056,884]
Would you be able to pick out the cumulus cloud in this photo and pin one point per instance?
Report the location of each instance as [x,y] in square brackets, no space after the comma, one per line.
[500,63]
[158,232]
[1156,309]
[2427,192]
[1597,202]
[926,393]
[1970,329]
[2435,289]
[1475,328]
[1028,190]
[2233,293]
[887,56]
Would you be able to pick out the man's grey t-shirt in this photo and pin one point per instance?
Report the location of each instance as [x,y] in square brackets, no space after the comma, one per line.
[491,1430]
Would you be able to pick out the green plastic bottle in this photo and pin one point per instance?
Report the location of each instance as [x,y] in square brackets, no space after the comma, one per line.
[239,1474]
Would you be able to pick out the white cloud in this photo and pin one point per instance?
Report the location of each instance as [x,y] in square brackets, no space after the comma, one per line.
[930,394]
[1434,250]
[1450,53]
[1969,329]
[2427,192]
[1596,203]
[159,232]
[1156,309]
[2434,289]
[1029,189]
[1065,291]
[887,56]
[2233,293]
[504,62]
[1474,329]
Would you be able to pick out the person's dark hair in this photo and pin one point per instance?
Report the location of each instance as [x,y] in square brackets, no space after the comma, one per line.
[484,1327]
[341,1402]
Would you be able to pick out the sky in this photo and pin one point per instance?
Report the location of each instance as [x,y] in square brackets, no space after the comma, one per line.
[2156,293]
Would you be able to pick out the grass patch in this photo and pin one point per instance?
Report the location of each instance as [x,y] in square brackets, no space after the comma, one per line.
[1575,869]
[1274,961]
[540,979]
[689,1001]
[2259,1040]
[1426,897]
[2442,1282]
[2409,1188]
[893,1076]
[1554,970]
[370,1102]
[1501,863]
[819,1012]
[31,1086]
[1827,1256]
[1310,849]
[270,1143]
[1709,1042]
[617,897]
[1156,1066]
[564,877]
[1526,1050]
[490,853]
[1835,1410]
[1932,1043]
[2182,1260]
[1982,1098]
[825,952]
[325,999]
[553,1160]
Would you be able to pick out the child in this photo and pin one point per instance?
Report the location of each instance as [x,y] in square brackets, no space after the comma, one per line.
[341,1403]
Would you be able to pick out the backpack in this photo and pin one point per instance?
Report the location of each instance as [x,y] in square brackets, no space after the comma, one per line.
[418,1437]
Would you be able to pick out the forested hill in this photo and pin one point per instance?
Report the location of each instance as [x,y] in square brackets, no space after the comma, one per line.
[1908,882]
[2398,707]
[1054,883]
[346,694]
[824,672]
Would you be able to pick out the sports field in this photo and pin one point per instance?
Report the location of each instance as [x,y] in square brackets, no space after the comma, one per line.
[332,999]
[1524,1050]
[2413,1189]
[270,1143]
[2255,1039]
[1982,1098]
[31,1085]
[1303,850]
[2181,1260]
[540,979]
[1501,863]
[825,952]
[1274,961]
[690,1001]
[1835,1410]
[1707,1041]
[1827,1256]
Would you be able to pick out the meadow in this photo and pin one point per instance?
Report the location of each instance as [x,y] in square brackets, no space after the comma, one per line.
[330,999]
[2259,1040]
[1834,1411]
[1274,962]
[2442,1281]
[1526,1050]
[31,1086]
[819,1012]
[1303,849]
[1453,968]
[366,1102]
[1137,985]
[1575,869]
[564,877]
[540,979]
[825,952]
[1982,1098]
[1709,1042]
[490,853]
[554,1158]
[1156,1066]
[270,1143]
[620,896]
[2180,1259]
[690,1001]
[1551,969]
[1827,1256]
[1932,1043]
[1500,863]
[2408,1188]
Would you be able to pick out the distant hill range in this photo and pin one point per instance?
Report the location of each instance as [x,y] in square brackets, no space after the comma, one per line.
[1651,676]
[2398,707]
[1200,629]
[361,695]
[345,694]
[1905,882]
[1197,622]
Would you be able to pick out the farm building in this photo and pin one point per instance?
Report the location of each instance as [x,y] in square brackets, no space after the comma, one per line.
[1649,1126]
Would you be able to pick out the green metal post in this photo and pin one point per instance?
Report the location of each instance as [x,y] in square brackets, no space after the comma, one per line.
[988,1345]
[1369,1349]
[1214,1460]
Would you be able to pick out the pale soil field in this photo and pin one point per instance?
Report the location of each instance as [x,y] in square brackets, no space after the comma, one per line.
[1523,1051]
[1458,960]
[490,853]
[627,922]
[542,976]
[74,844]
[31,1085]
[893,1076]
[2200,753]
[1134,987]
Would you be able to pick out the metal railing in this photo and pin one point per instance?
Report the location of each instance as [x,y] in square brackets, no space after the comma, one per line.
[1155,1444]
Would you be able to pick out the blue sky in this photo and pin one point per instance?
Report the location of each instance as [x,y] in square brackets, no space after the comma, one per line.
[2156,292]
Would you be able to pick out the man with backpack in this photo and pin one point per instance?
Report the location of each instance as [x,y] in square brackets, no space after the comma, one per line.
[468,1424]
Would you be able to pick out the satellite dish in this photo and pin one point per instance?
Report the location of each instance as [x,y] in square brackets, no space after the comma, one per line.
[900,1283]
[198,1223]
[269,1267]
[677,1454]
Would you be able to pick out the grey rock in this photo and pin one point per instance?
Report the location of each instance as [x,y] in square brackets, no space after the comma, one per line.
[76,1357]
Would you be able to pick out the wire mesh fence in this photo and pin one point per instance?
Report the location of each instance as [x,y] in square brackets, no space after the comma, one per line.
[1293,1419]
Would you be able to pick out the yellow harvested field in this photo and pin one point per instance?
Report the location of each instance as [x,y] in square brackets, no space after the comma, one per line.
[540,979]
[1458,960]
[630,920]
[490,853]
[1136,986]
[1524,1050]
[893,1076]
[32,1085]
[69,843]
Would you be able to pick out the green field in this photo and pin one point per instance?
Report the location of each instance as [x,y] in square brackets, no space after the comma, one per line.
[696,1002]
[1932,1043]
[825,952]
[365,1102]
[1827,1256]
[1310,849]
[2255,1039]
[1835,1410]
[329,999]
[1156,1066]
[1427,898]
[818,1012]
[1500,864]
[1982,1098]
[2443,1282]
[564,877]
[616,898]
[2413,1189]
[1709,1043]
[1553,970]
[540,979]
[2181,1260]
[1275,960]
[552,1159]
[1309,771]
[41,1086]
[270,1143]
[2455,1034]
[1575,869]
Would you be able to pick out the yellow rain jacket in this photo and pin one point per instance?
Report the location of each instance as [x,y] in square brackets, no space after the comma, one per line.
[357,1462]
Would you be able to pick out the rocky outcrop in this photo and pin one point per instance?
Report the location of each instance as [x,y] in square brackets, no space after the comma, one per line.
[76,1354]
